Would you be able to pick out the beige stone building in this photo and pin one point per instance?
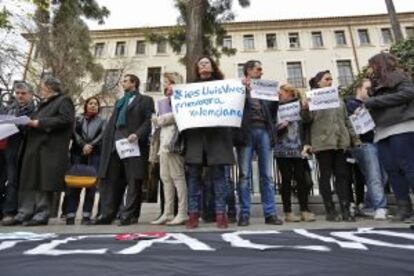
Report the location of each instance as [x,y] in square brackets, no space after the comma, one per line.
[291,50]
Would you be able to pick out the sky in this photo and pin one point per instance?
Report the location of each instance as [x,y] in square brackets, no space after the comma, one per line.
[134,13]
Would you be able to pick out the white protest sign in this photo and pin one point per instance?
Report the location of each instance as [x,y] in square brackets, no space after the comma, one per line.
[126,149]
[208,104]
[10,119]
[7,130]
[289,112]
[323,98]
[362,121]
[264,90]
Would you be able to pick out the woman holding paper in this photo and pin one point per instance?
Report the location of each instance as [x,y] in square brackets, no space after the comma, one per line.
[288,151]
[331,134]
[86,149]
[172,170]
[212,147]
[392,108]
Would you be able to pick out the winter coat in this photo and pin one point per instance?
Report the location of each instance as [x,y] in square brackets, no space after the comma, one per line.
[46,154]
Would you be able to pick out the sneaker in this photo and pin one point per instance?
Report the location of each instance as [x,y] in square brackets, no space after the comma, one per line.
[380,214]
[291,217]
[274,220]
[243,220]
[307,216]
[70,221]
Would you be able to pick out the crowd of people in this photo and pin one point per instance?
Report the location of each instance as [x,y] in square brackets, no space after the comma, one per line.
[195,165]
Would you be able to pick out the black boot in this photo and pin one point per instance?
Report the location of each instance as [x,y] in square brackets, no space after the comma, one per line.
[346,212]
[404,211]
[331,214]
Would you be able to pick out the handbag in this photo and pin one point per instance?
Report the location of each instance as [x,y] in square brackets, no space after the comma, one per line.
[81,176]
[177,144]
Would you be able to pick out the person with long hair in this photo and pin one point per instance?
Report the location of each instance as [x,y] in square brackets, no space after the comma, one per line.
[392,108]
[212,147]
[331,134]
[292,164]
[86,149]
[172,169]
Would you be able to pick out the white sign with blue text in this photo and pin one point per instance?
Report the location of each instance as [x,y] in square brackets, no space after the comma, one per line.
[264,90]
[208,104]
[289,112]
[323,98]
[362,121]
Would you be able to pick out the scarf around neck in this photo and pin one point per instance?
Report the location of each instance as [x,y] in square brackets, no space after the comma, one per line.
[122,107]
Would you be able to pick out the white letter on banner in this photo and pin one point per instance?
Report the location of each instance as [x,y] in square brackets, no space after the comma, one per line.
[50,248]
[236,241]
[17,237]
[352,235]
[8,244]
[343,244]
[179,238]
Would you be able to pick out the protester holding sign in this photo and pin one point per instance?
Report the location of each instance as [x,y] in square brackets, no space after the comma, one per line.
[288,151]
[45,158]
[131,120]
[331,134]
[366,156]
[86,149]
[172,170]
[257,134]
[22,106]
[392,108]
[207,146]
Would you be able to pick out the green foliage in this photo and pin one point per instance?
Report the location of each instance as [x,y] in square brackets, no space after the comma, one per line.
[217,13]
[64,42]
[405,53]
[4,19]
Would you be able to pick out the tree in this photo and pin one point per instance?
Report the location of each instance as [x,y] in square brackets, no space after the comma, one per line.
[200,29]
[63,42]
[396,28]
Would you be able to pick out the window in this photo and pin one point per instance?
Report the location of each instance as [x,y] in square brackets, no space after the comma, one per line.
[248,42]
[295,74]
[240,73]
[340,38]
[162,47]
[410,32]
[271,41]
[386,36]
[112,77]
[294,40]
[345,75]
[364,37]
[154,79]
[99,49]
[120,49]
[317,41]
[140,50]
[227,42]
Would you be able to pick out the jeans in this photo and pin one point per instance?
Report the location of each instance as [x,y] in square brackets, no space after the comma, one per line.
[367,159]
[11,201]
[194,188]
[230,199]
[397,154]
[260,143]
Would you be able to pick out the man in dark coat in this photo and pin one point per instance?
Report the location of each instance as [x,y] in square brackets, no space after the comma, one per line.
[22,106]
[45,157]
[131,119]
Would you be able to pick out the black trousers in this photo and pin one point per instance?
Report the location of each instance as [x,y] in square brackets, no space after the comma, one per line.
[294,169]
[112,190]
[333,163]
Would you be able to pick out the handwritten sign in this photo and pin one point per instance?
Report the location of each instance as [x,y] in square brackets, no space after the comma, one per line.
[7,130]
[264,90]
[164,106]
[208,104]
[126,149]
[323,98]
[289,112]
[362,121]
[10,119]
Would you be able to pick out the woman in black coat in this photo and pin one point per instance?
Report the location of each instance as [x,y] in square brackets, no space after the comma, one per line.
[212,147]
[45,159]
[86,149]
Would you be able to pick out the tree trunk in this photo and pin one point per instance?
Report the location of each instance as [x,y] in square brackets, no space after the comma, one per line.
[396,28]
[194,35]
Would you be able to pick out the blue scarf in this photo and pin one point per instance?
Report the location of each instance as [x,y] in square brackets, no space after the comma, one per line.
[122,107]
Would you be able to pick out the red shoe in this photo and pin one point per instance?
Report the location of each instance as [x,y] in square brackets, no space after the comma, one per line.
[192,221]
[221,221]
